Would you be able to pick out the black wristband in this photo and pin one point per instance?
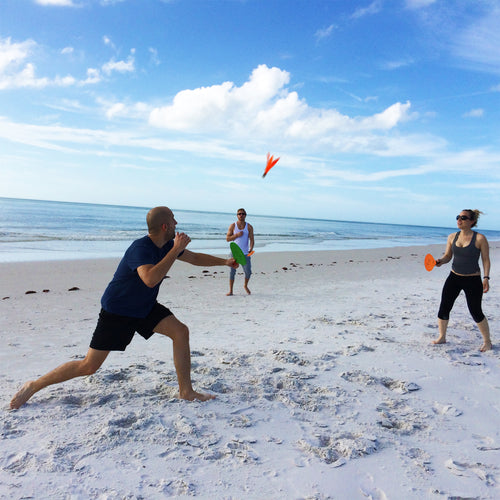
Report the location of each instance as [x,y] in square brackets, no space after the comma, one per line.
[486,278]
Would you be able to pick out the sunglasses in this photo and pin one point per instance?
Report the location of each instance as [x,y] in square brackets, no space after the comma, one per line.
[242,213]
[463,217]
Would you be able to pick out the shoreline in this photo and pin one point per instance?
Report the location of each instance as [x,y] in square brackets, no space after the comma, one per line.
[115,249]
[37,276]
[45,273]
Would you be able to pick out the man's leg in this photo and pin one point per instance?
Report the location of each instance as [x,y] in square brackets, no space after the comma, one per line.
[179,333]
[232,276]
[87,366]
[247,268]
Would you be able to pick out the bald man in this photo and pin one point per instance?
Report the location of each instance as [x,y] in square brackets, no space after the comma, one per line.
[129,305]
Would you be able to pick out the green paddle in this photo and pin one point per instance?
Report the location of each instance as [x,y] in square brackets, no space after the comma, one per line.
[238,254]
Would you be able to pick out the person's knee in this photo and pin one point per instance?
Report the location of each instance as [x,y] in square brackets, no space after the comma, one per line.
[181,332]
[476,311]
[478,317]
[444,312]
[90,364]
[89,367]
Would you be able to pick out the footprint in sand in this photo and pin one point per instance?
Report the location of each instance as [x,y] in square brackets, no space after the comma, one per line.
[446,409]
[369,490]
[467,470]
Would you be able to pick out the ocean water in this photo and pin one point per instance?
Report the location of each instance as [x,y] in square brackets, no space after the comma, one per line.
[32,230]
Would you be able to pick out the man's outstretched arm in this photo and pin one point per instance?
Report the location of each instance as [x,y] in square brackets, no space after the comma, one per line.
[203,259]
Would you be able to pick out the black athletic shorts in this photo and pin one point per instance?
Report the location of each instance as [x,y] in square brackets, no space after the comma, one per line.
[114,332]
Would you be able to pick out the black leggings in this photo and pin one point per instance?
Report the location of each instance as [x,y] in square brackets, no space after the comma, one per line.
[473,288]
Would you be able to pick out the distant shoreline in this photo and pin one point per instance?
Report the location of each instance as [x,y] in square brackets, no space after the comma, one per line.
[74,257]
[32,231]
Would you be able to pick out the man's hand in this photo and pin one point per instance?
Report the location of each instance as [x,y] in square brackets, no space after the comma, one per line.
[232,263]
[181,241]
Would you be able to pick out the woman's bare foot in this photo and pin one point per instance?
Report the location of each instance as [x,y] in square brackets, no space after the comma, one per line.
[486,347]
[440,340]
[247,290]
[196,396]
[229,294]
[26,391]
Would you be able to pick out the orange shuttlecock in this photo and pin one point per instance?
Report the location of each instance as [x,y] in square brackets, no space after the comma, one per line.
[270,164]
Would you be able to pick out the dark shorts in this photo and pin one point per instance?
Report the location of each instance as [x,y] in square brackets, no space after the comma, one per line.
[114,332]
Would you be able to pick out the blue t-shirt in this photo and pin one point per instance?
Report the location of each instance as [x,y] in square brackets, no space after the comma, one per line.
[127,294]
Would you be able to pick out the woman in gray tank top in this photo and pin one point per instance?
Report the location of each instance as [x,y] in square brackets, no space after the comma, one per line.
[465,247]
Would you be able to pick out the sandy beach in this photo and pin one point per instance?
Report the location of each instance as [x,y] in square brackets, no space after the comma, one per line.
[326,385]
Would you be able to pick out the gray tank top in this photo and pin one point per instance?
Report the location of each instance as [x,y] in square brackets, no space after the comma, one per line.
[466,259]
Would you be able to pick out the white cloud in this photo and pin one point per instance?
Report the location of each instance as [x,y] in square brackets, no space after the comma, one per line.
[15,72]
[324,33]
[317,170]
[115,109]
[478,44]
[70,105]
[12,53]
[264,109]
[138,110]
[154,56]
[374,8]
[93,77]
[387,119]
[222,106]
[401,63]
[474,113]
[108,41]
[127,66]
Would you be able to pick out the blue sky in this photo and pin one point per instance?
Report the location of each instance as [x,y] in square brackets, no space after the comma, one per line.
[381,111]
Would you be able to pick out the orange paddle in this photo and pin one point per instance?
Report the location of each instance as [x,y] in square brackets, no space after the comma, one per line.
[250,253]
[429,262]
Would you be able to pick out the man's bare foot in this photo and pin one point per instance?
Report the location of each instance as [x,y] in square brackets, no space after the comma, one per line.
[196,396]
[229,294]
[247,290]
[439,341]
[26,391]
[486,347]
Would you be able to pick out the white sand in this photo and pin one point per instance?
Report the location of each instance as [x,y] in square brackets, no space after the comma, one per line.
[326,383]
